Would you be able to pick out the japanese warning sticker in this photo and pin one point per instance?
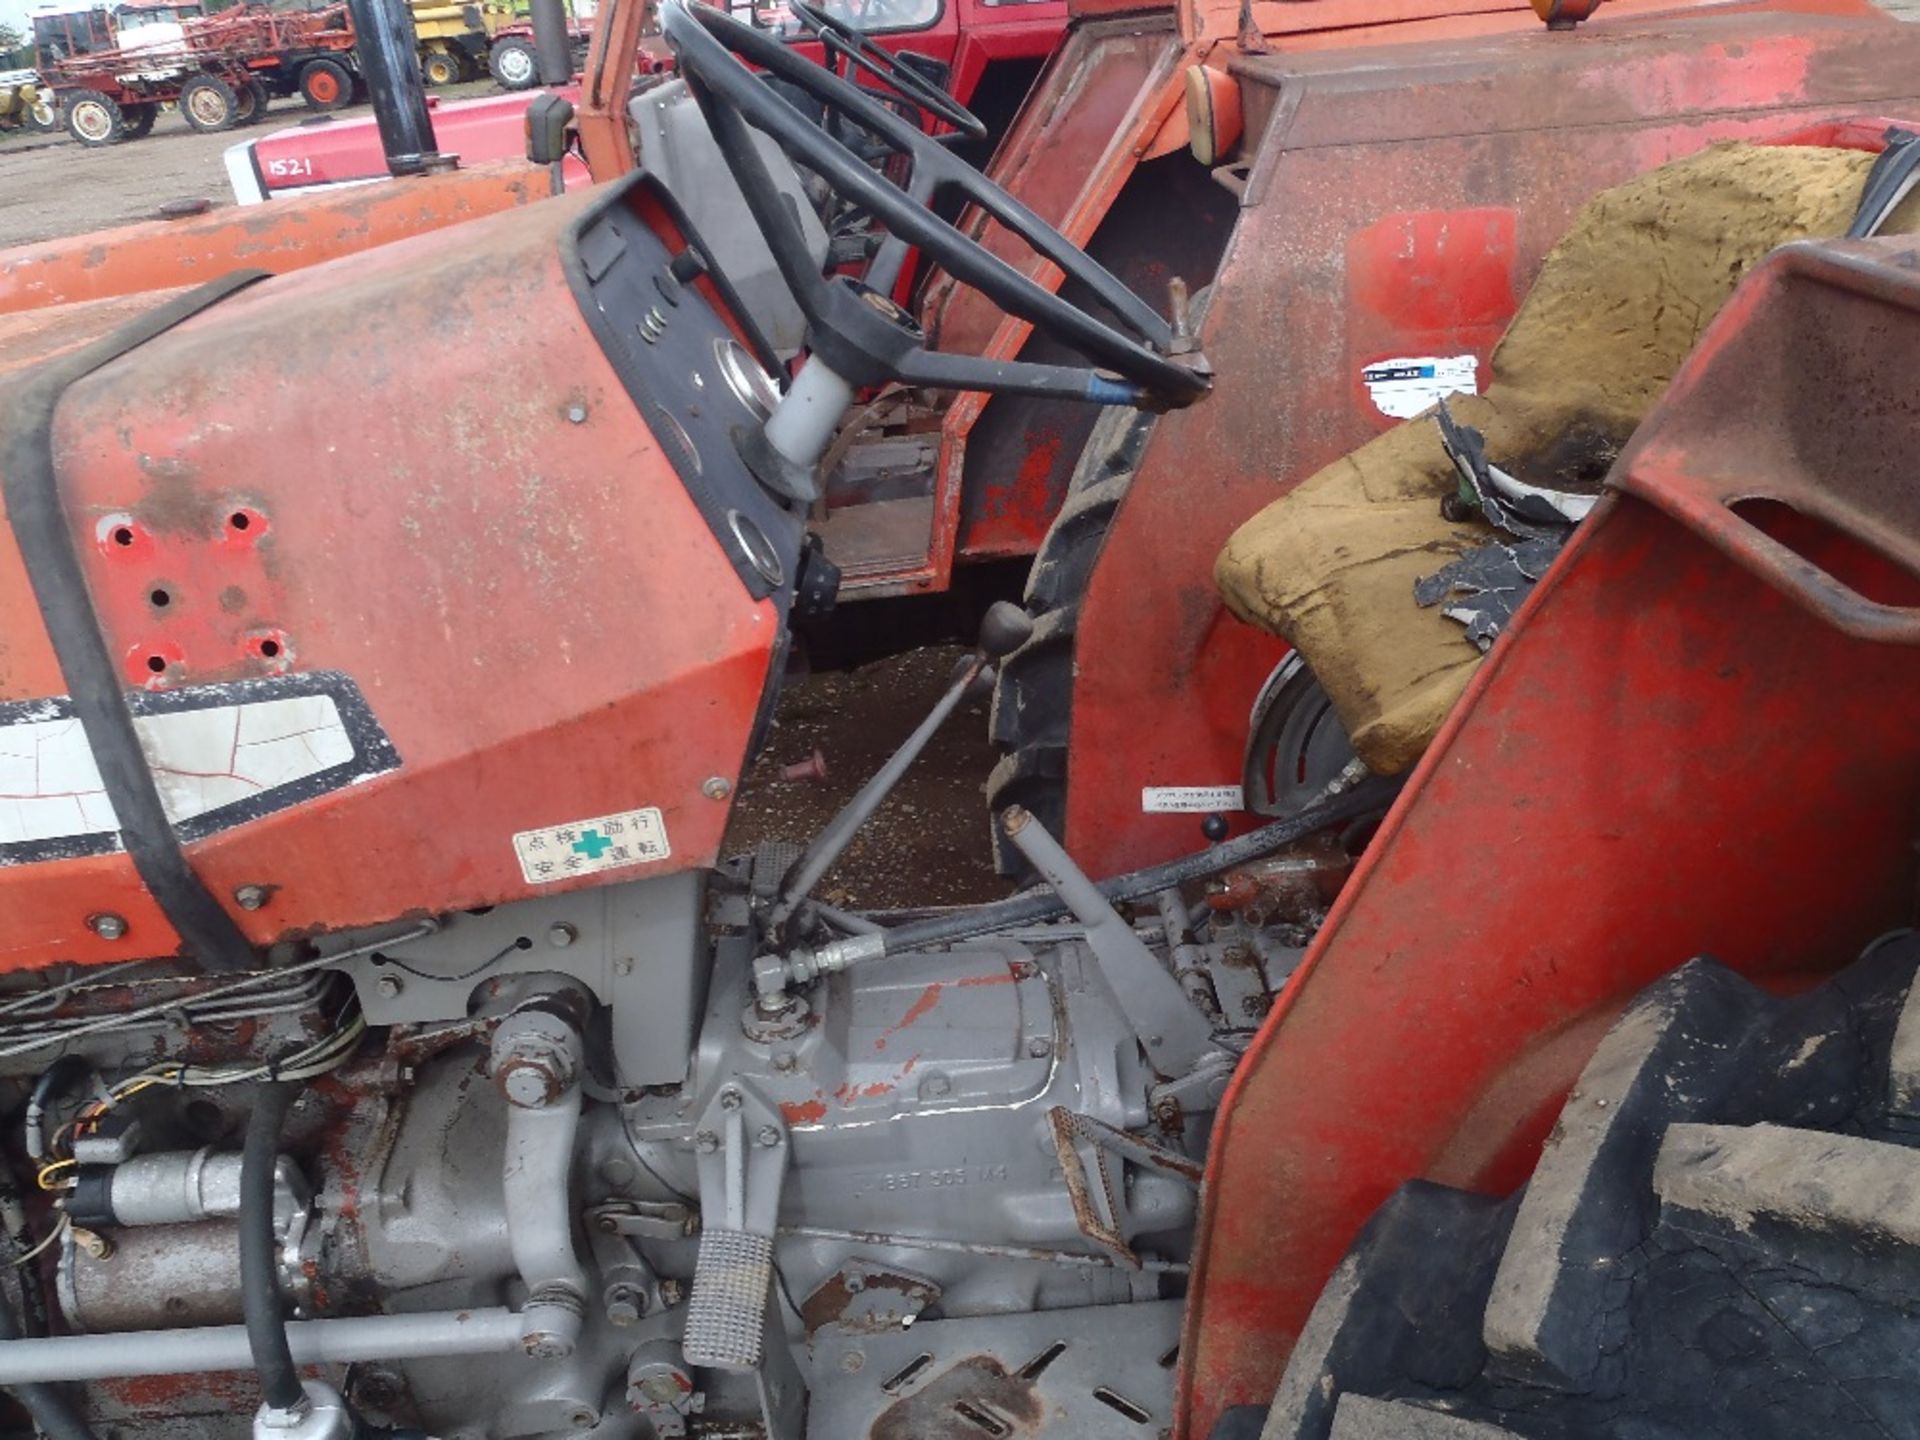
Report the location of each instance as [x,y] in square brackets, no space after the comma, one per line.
[1403,388]
[586,847]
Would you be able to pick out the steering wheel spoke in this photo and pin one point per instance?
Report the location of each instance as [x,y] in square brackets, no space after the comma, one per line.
[856,329]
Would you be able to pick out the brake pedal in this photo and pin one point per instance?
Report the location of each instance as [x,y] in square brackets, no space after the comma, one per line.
[727,1310]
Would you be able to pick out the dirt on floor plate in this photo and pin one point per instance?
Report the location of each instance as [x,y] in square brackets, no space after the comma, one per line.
[928,844]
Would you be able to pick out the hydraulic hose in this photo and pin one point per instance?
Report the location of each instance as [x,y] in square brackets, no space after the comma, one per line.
[259,1265]
[52,1412]
[1373,794]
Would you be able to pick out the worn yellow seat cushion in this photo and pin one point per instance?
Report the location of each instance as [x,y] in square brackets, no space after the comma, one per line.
[1618,304]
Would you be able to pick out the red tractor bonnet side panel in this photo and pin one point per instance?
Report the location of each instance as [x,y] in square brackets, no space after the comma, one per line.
[1400,204]
[394,583]
[1695,738]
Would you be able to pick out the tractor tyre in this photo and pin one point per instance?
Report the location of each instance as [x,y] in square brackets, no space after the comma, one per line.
[1721,1239]
[209,104]
[514,63]
[1033,694]
[254,101]
[43,115]
[140,119]
[441,68]
[95,119]
[325,84]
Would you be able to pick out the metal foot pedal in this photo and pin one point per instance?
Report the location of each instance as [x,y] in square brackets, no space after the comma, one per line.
[727,1311]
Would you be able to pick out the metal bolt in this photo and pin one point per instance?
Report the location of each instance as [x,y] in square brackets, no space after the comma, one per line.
[577,414]
[671,1292]
[584,1419]
[784,1061]
[250,897]
[1039,1047]
[389,986]
[729,1099]
[935,1085]
[94,1243]
[625,1305]
[814,767]
[706,1142]
[769,1137]
[855,1282]
[854,1361]
[717,787]
[560,935]
[107,926]
[623,966]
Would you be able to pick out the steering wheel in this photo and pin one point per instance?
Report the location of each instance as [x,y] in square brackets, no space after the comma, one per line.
[849,41]
[860,334]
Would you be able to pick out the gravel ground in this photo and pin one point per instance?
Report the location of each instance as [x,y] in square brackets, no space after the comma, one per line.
[928,844]
[50,185]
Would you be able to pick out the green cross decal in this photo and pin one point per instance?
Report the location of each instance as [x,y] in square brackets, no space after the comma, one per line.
[592,844]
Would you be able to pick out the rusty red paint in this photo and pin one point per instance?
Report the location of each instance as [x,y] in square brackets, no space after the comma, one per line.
[803,1112]
[1443,1011]
[916,1012]
[187,433]
[1153,638]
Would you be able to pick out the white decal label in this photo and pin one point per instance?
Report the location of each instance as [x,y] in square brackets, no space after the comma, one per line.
[1189,799]
[1403,388]
[202,760]
[586,847]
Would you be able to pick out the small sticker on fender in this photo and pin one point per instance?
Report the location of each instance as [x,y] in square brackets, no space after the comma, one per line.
[586,847]
[1403,388]
[1189,799]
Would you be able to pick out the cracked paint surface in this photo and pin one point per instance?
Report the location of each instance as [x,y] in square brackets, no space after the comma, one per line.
[50,786]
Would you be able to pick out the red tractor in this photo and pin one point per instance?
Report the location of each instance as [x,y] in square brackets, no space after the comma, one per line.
[392,1042]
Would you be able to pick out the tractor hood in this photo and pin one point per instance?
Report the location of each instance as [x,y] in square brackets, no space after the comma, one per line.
[421,580]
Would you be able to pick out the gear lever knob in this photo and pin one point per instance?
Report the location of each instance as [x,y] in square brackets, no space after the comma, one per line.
[1005,629]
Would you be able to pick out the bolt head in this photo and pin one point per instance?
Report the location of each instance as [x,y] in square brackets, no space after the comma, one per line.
[546,1346]
[671,1292]
[936,1085]
[854,1361]
[785,1061]
[768,1137]
[107,926]
[1039,1047]
[623,966]
[389,986]
[660,1388]
[717,787]
[584,1419]
[250,897]
[730,1099]
[706,1142]
[528,1082]
[560,935]
[577,414]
